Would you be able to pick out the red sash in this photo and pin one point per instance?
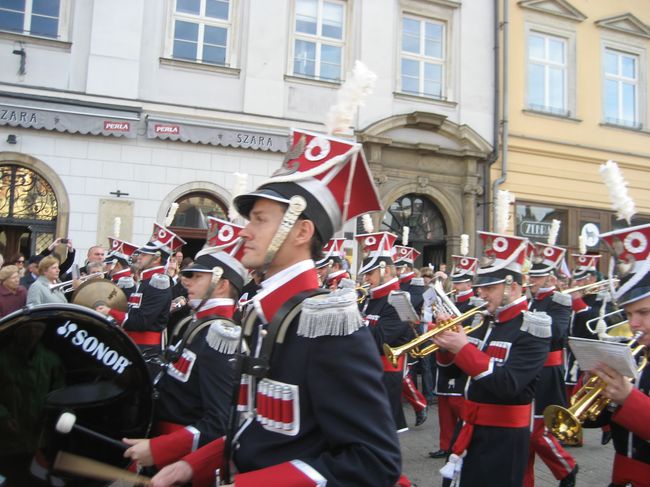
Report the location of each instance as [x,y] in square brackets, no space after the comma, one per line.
[388,367]
[145,337]
[556,357]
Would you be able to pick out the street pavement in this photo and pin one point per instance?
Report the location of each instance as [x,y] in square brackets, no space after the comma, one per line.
[594,460]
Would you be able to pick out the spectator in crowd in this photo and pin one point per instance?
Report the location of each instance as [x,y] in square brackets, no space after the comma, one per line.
[31,274]
[40,292]
[2,260]
[19,261]
[96,253]
[69,260]
[12,295]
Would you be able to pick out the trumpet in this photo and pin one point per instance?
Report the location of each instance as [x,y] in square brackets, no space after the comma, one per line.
[622,328]
[593,287]
[67,286]
[586,404]
[413,347]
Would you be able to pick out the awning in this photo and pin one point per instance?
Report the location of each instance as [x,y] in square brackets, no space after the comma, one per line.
[65,117]
[217,134]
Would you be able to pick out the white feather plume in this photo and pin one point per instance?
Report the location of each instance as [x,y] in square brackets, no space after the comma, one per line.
[617,188]
[553,232]
[349,97]
[170,214]
[117,223]
[502,209]
[582,245]
[405,236]
[368,226]
[240,187]
[464,244]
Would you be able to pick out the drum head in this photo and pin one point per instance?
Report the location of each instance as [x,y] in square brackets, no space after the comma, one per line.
[58,358]
[100,291]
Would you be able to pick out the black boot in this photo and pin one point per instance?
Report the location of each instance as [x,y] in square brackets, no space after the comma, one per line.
[421,417]
[606,437]
[438,454]
[570,480]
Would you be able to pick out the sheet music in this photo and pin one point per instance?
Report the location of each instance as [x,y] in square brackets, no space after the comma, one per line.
[618,356]
[401,301]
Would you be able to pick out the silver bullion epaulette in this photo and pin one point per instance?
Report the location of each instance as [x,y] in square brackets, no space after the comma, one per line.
[561,298]
[333,314]
[125,282]
[159,281]
[537,323]
[223,336]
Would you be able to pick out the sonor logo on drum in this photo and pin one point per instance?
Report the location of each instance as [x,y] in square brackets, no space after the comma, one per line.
[92,346]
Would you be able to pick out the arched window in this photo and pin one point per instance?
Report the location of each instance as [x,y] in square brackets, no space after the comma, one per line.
[28,210]
[426,224]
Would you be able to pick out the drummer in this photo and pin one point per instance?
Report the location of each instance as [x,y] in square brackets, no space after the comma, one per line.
[194,394]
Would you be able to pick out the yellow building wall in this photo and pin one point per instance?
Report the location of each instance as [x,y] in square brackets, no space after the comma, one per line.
[555,160]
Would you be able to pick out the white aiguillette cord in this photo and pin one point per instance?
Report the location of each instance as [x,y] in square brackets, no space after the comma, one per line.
[87,467]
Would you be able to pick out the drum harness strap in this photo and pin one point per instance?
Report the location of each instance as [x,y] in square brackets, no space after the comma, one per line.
[258,367]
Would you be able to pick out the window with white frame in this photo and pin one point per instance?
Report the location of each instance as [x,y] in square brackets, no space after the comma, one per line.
[621,88]
[547,73]
[201,31]
[319,39]
[423,57]
[32,17]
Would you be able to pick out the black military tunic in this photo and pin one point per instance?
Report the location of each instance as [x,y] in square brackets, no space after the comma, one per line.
[387,328]
[499,396]
[582,313]
[320,415]
[194,394]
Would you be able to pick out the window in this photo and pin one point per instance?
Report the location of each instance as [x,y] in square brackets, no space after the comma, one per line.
[201,31]
[547,73]
[319,39]
[32,17]
[621,88]
[423,57]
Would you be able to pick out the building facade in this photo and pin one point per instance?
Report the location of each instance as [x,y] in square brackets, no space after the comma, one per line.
[575,94]
[119,108]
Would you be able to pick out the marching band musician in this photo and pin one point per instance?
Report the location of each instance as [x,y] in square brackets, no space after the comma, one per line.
[629,413]
[381,317]
[550,389]
[330,267]
[118,261]
[194,389]
[451,381]
[146,318]
[492,446]
[335,425]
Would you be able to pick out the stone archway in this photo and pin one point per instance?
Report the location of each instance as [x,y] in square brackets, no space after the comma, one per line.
[425,153]
[52,183]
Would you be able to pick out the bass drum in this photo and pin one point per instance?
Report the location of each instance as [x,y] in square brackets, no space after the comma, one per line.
[57,358]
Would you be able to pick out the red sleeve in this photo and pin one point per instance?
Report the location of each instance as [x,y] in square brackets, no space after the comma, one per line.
[444,358]
[472,361]
[289,474]
[634,414]
[117,315]
[578,305]
[205,461]
[166,449]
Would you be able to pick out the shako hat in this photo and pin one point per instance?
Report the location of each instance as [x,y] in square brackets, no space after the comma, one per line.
[333,252]
[503,255]
[378,248]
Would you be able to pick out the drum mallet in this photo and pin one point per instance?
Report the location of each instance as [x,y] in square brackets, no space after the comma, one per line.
[66,423]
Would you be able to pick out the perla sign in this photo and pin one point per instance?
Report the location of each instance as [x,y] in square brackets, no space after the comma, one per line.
[93,347]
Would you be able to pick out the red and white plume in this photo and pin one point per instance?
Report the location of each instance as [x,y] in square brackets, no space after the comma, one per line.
[553,232]
[368,226]
[464,244]
[503,198]
[582,245]
[349,98]
[617,188]
[170,214]
[240,188]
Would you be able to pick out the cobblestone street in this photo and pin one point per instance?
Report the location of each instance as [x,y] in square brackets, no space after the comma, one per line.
[595,461]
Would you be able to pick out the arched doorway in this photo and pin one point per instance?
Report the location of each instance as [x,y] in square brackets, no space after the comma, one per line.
[28,211]
[427,227]
[190,220]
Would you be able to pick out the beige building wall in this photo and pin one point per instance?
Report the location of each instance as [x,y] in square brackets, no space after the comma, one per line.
[553,158]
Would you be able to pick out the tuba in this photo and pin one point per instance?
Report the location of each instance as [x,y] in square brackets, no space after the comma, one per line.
[586,404]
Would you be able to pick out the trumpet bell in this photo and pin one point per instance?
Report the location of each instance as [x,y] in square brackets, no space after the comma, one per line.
[96,292]
[564,424]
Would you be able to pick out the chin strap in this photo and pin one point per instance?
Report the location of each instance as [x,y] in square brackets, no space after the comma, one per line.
[382,272]
[297,205]
[507,290]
